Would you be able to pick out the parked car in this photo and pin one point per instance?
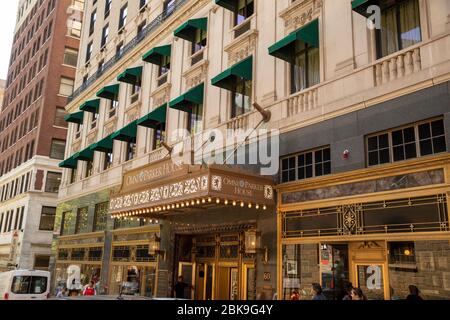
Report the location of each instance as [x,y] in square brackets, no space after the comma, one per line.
[24,285]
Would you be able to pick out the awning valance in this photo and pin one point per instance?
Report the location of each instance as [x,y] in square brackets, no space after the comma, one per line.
[127,133]
[131,75]
[228,4]
[69,163]
[285,48]
[227,79]
[360,6]
[187,30]
[109,92]
[91,106]
[156,54]
[190,187]
[76,117]
[105,145]
[185,101]
[154,118]
[84,155]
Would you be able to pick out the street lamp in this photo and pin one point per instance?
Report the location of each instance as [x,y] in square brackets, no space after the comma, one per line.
[154,248]
[252,244]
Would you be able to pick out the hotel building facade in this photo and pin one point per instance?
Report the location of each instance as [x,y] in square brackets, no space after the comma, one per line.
[33,130]
[362,112]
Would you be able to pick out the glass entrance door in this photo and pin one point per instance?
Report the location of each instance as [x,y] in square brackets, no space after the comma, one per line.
[187,270]
[204,281]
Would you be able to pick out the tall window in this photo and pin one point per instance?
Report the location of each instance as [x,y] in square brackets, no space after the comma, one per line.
[108,160]
[75,28]
[105,34]
[400,26]
[82,220]
[101,216]
[163,69]
[305,71]
[245,9]
[169,7]
[89,51]
[47,218]
[52,182]
[70,57]
[410,142]
[123,16]
[112,108]
[306,165]
[107,7]
[73,175]
[57,149]
[68,223]
[159,135]
[130,150]
[92,22]
[198,45]
[89,168]
[241,97]
[66,86]
[195,119]
[60,113]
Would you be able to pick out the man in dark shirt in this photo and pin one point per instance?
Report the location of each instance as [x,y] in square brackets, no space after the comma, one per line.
[179,288]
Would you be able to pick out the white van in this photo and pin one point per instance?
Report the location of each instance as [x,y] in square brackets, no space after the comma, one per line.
[24,285]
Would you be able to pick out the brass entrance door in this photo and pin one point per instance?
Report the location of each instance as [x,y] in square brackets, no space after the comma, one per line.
[204,280]
[227,283]
[187,270]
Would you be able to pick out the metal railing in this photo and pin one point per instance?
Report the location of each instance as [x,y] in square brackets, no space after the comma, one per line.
[149,29]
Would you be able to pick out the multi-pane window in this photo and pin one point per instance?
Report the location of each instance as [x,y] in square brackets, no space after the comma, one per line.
[52,182]
[406,143]
[57,149]
[195,119]
[305,71]
[163,69]
[245,9]
[60,113]
[105,35]
[82,220]
[130,150]
[66,86]
[89,51]
[123,16]
[101,216]
[402,253]
[47,218]
[159,135]
[89,168]
[68,223]
[75,28]
[107,7]
[241,97]
[108,160]
[306,165]
[400,26]
[70,57]
[92,22]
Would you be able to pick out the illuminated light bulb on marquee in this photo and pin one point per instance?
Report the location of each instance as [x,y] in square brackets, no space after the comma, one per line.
[182,204]
[217,200]
[198,201]
[203,200]
[264,207]
[192,202]
[187,203]
[226,202]
[234,203]
[257,206]
[178,205]
[242,204]
[209,199]
[249,205]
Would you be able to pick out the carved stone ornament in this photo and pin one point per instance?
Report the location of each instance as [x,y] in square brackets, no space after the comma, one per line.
[300,13]
[242,47]
[196,74]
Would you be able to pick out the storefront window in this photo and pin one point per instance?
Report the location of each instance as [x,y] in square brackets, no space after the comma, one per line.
[334,270]
[300,269]
[132,280]
[68,223]
[82,220]
[101,216]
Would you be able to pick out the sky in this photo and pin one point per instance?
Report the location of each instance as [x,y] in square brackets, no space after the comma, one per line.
[8,13]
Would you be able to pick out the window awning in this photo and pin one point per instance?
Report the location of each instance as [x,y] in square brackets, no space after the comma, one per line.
[109,92]
[187,30]
[69,163]
[131,75]
[154,118]
[76,117]
[360,6]
[127,133]
[228,4]
[185,101]
[242,69]
[105,145]
[91,106]
[84,155]
[156,55]
[285,48]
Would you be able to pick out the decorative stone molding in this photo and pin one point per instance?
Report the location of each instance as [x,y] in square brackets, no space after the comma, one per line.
[92,136]
[110,126]
[300,13]
[242,47]
[196,74]
[133,111]
[161,95]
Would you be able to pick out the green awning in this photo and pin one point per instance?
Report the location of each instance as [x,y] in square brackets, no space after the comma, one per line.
[104,145]
[131,75]
[228,4]
[127,133]
[156,55]
[227,79]
[185,101]
[76,117]
[154,118]
[285,48]
[84,155]
[69,163]
[91,106]
[109,92]
[187,30]
[360,6]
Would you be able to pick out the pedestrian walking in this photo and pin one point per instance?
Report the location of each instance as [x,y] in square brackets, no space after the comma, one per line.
[414,293]
[180,287]
[317,292]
